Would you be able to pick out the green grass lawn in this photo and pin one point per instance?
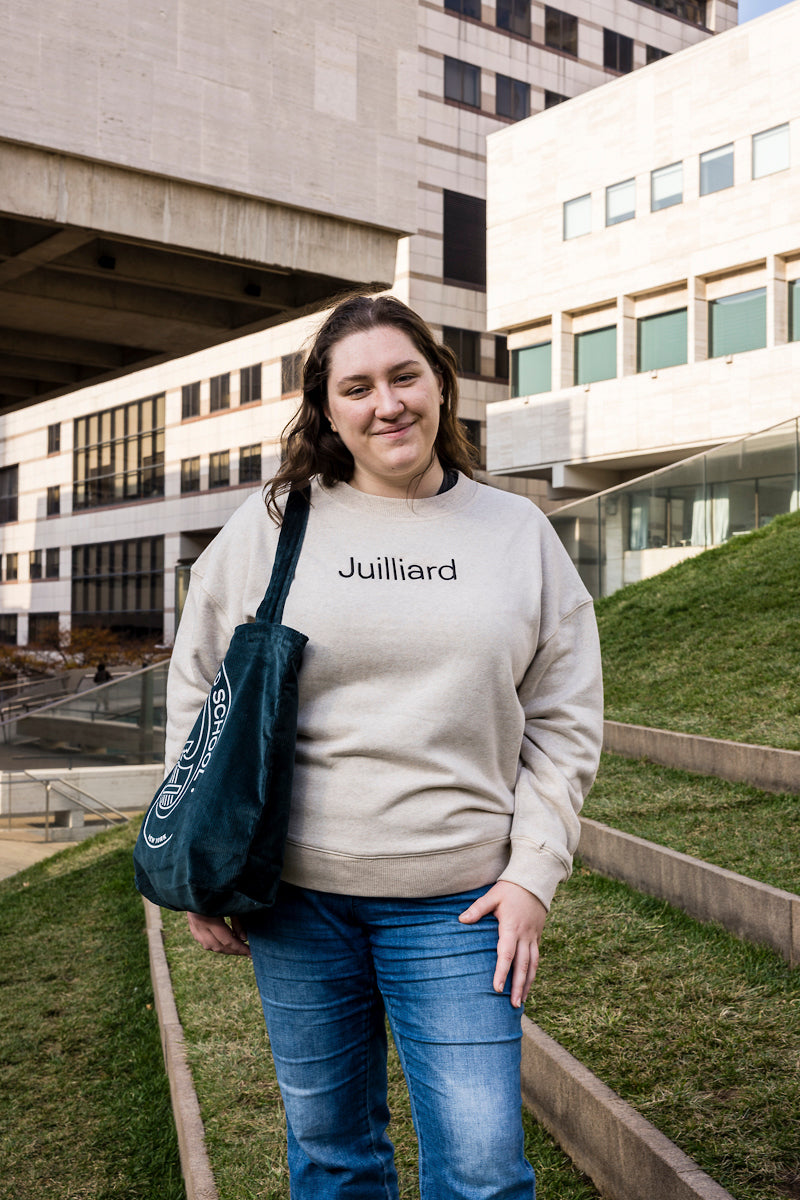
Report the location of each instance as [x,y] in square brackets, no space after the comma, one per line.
[729,824]
[84,1101]
[696,1029]
[712,646]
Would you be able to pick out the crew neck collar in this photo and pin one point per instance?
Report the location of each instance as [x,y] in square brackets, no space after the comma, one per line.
[400,508]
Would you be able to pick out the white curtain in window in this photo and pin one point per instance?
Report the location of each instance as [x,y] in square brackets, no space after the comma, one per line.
[720,514]
[699,522]
[639,513]
[577,216]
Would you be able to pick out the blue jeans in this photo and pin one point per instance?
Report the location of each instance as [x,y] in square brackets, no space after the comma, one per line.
[328,967]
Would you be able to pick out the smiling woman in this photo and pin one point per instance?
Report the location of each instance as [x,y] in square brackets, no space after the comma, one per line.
[450,719]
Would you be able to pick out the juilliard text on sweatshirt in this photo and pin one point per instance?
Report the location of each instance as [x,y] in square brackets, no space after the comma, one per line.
[394,569]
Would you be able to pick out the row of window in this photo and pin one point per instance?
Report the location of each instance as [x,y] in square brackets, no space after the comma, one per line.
[249,387]
[561,28]
[736,324]
[219,468]
[42,564]
[769,154]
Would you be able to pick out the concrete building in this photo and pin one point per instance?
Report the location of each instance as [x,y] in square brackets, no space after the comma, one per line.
[175,179]
[644,262]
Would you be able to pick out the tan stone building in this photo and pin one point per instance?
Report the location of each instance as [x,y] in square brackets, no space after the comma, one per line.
[189,180]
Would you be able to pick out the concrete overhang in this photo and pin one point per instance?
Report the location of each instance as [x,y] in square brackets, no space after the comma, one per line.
[105,269]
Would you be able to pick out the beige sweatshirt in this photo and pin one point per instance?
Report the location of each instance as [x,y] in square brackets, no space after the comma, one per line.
[450,694]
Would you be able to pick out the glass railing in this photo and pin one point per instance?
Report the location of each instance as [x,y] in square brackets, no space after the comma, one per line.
[642,527]
[122,722]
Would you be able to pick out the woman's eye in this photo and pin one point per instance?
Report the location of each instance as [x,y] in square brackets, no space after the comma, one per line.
[404,378]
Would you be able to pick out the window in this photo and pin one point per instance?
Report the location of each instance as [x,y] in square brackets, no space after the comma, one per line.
[465,8]
[473,431]
[53,501]
[500,357]
[54,439]
[219,470]
[737,323]
[220,392]
[250,384]
[466,345]
[716,169]
[119,585]
[291,373]
[9,488]
[561,31]
[190,400]
[661,340]
[250,464]
[464,249]
[43,629]
[596,355]
[770,151]
[687,10]
[35,564]
[794,311]
[666,186]
[551,99]
[462,82]
[512,98]
[190,475]
[52,558]
[514,16]
[577,217]
[621,202]
[8,629]
[119,454]
[12,566]
[531,369]
[654,54]
[617,51]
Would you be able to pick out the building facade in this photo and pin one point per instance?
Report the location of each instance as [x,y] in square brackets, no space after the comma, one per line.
[108,493]
[647,273]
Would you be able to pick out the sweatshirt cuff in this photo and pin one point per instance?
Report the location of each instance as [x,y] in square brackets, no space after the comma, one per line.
[536,869]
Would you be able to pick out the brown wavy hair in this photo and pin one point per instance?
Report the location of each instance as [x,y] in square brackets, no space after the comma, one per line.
[310,447]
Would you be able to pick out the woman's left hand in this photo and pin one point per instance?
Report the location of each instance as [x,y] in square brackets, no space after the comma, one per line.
[520,920]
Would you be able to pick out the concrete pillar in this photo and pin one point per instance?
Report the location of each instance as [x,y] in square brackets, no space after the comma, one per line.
[777,302]
[563,352]
[697,321]
[626,336]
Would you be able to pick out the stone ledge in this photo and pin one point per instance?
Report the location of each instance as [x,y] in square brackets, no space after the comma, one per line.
[765,767]
[185,1107]
[625,1156]
[750,909]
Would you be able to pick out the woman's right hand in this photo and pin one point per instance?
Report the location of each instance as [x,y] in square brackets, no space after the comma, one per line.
[214,933]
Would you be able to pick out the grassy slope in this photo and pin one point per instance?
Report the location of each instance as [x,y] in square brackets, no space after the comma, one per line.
[712,646]
[84,1101]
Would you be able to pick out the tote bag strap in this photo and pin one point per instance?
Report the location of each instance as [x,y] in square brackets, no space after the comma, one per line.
[293,528]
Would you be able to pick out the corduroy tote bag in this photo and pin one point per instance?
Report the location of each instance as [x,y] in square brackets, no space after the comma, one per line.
[212,840]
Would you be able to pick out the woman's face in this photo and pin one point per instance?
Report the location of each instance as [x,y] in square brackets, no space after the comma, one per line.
[383,401]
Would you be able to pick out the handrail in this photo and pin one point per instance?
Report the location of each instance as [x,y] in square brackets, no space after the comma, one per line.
[50,783]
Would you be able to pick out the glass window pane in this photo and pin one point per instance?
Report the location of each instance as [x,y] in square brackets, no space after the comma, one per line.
[620,202]
[577,217]
[794,311]
[662,340]
[531,370]
[716,169]
[666,186]
[596,355]
[770,151]
[738,323]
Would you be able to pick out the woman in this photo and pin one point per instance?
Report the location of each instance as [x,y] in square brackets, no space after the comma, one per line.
[450,724]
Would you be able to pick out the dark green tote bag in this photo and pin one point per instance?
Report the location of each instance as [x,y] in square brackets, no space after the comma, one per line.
[212,840]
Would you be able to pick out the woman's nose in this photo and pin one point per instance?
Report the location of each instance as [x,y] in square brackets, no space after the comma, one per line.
[387,403]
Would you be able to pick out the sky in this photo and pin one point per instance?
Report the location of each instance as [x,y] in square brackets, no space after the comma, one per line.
[756,8]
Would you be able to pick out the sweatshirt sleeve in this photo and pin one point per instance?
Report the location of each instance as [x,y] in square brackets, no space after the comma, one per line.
[201,642]
[562,698]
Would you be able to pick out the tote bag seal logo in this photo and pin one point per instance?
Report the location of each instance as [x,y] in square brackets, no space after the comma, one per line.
[195,757]
[212,840]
